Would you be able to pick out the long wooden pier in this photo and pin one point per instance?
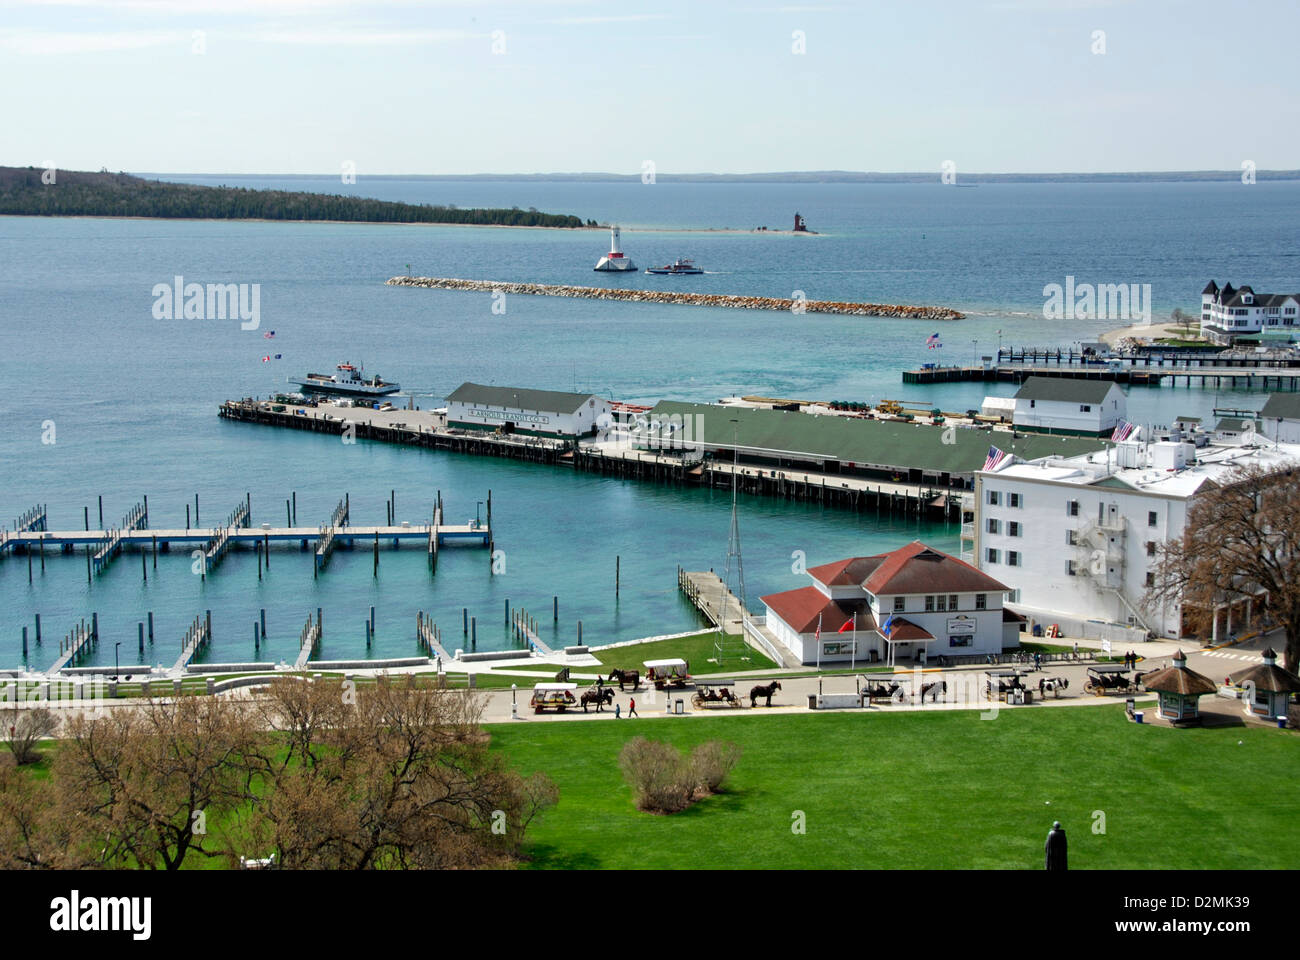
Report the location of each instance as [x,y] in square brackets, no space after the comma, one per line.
[429,637]
[1264,374]
[81,639]
[524,628]
[309,641]
[196,638]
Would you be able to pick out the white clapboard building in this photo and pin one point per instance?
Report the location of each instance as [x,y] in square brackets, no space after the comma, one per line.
[1228,312]
[1073,407]
[911,604]
[542,413]
[1078,538]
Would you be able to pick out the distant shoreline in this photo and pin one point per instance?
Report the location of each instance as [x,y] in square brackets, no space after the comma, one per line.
[815,176]
[599,228]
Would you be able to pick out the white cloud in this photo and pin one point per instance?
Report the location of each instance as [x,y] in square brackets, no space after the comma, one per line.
[42,43]
[335,36]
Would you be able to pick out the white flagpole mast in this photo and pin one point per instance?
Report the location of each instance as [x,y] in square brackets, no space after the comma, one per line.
[853,664]
[818,638]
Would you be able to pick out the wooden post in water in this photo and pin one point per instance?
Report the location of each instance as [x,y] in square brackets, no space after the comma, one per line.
[88,564]
[473,633]
[155,551]
[144,567]
[146,510]
[266,551]
[579,633]
[42,542]
[255,638]
[294,519]
[29,564]
[187,517]
[464,614]
[86,511]
[196,510]
[555,608]
[507,609]
[376,570]
[288,515]
[151,626]
[258,548]
[140,635]
[618,561]
[38,629]
[24,643]
[261,616]
[101,511]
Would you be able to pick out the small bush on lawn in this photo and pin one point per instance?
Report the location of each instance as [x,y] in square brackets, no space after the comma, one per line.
[711,762]
[665,781]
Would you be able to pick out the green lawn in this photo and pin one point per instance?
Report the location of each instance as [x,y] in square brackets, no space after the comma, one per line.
[696,649]
[934,790]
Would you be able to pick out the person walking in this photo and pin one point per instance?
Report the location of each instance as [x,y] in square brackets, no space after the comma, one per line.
[617,710]
[631,708]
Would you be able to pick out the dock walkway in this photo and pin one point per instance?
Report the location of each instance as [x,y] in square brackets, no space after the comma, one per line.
[196,638]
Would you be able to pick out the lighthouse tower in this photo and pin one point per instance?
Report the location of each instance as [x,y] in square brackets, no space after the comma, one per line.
[614,260]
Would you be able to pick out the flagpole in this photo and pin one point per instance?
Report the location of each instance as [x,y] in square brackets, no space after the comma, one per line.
[853,663]
[818,638]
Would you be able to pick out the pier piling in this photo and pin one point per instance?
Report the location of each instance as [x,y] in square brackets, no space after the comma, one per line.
[555,609]
[140,635]
[464,613]
[473,633]
[151,626]
[86,511]
[101,511]
[261,616]
[38,629]
[24,643]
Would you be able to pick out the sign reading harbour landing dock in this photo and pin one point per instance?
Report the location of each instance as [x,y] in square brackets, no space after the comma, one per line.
[794,305]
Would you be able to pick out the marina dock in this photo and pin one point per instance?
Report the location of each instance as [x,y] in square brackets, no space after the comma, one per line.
[424,429]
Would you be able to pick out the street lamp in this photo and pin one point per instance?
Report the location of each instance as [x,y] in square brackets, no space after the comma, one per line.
[514,707]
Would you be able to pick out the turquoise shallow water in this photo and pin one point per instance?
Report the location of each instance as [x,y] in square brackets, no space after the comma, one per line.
[133,399]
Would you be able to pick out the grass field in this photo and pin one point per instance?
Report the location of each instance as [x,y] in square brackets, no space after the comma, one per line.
[938,790]
[696,649]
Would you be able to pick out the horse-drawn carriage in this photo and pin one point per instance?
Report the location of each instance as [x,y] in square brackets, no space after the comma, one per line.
[667,673]
[554,696]
[715,693]
[1008,685]
[1107,678]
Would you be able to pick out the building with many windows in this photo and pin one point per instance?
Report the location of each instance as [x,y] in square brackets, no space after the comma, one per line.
[1077,538]
[1230,312]
[906,605]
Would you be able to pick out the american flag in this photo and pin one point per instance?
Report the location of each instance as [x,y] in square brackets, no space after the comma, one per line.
[269,335]
[994,458]
[932,341]
[1123,431]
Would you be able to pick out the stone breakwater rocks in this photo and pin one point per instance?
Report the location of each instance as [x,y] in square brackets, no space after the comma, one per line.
[900,311]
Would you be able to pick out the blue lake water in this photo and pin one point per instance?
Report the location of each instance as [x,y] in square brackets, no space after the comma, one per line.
[133,399]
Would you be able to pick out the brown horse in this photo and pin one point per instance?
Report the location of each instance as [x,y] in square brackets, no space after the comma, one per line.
[597,695]
[764,691]
[626,676]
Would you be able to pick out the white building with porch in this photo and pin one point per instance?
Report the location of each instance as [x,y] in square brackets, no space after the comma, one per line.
[905,606]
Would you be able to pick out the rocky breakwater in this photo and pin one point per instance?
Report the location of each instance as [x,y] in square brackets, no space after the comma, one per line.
[900,311]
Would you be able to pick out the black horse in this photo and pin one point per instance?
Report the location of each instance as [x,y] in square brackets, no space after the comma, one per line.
[932,690]
[597,695]
[626,676]
[764,691]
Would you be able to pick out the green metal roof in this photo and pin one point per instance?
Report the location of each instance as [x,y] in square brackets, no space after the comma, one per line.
[1064,389]
[519,398]
[1234,425]
[884,444]
[1284,405]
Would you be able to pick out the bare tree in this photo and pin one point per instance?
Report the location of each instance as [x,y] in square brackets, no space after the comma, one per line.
[397,774]
[26,728]
[143,783]
[1242,538]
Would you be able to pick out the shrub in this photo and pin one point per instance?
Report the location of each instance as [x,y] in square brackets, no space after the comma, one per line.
[659,776]
[665,781]
[711,762]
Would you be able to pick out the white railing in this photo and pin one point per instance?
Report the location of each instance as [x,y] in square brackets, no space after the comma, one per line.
[752,625]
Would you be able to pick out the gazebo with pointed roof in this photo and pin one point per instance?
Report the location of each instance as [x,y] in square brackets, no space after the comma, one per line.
[1266,687]
[1180,690]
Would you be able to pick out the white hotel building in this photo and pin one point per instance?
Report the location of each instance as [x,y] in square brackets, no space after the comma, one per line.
[1077,539]
[1241,312]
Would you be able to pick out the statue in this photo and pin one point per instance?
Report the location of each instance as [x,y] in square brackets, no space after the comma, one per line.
[1055,848]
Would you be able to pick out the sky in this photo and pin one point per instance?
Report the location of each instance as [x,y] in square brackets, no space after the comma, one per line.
[532,86]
